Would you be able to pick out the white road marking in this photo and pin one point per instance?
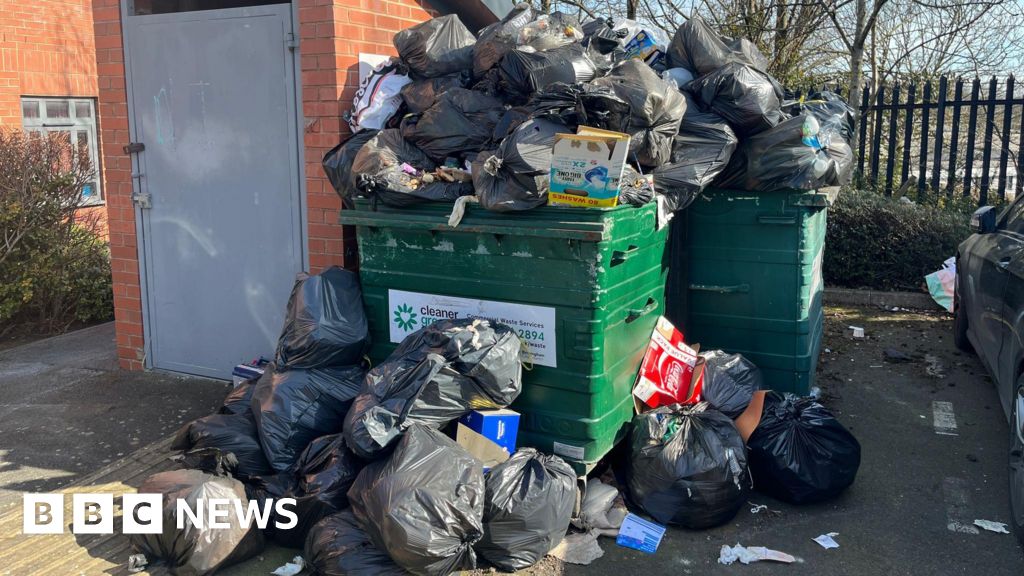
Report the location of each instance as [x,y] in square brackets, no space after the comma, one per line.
[943,418]
[954,493]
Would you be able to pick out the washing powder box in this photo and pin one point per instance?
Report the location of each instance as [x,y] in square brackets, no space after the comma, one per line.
[586,168]
[498,426]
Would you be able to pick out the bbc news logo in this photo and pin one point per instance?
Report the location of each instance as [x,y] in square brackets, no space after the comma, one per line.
[143,513]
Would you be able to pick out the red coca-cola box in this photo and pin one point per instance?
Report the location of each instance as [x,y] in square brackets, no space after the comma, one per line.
[672,371]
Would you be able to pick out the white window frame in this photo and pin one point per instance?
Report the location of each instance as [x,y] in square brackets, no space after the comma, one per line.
[73,124]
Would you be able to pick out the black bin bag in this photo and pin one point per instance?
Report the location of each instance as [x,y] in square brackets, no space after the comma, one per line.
[500,38]
[730,381]
[700,50]
[700,152]
[657,107]
[529,501]
[634,188]
[338,161]
[338,546]
[516,175]
[436,375]
[581,105]
[461,121]
[293,407]
[230,434]
[380,174]
[789,156]
[324,324]
[439,46]
[799,452]
[750,100]
[688,466]
[424,504]
[421,94]
[523,73]
[192,551]
[239,400]
[319,483]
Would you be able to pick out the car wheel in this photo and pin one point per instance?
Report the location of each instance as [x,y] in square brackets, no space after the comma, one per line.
[1017,461]
[960,320]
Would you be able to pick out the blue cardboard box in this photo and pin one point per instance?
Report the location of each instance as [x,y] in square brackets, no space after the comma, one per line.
[498,426]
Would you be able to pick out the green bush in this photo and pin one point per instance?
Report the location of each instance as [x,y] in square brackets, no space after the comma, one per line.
[54,269]
[883,243]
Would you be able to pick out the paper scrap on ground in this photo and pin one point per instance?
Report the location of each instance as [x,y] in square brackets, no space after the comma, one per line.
[748,554]
[828,540]
[137,563]
[291,568]
[991,526]
[639,534]
[581,548]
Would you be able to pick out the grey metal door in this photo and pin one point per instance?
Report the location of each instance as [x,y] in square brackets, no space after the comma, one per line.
[217,186]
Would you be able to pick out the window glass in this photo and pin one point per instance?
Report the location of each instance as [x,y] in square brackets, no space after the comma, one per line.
[57,109]
[1015,217]
[53,116]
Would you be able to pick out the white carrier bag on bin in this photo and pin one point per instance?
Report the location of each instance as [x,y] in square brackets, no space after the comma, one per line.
[378,98]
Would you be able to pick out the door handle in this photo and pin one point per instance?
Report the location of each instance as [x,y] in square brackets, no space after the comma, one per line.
[620,256]
[1004,263]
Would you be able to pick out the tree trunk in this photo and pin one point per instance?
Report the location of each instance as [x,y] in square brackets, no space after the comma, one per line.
[631,9]
[857,71]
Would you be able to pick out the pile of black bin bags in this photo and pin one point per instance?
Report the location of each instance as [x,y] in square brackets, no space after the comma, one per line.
[378,487]
[704,113]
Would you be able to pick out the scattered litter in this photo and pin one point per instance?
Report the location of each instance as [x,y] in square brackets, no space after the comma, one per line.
[581,548]
[748,554]
[291,568]
[137,563]
[942,284]
[828,350]
[934,367]
[602,510]
[827,541]
[758,508]
[997,527]
[815,392]
[858,332]
[639,534]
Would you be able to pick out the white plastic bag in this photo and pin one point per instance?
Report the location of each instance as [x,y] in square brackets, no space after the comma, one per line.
[378,98]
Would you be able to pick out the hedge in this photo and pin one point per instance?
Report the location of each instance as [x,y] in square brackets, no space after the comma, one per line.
[884,243]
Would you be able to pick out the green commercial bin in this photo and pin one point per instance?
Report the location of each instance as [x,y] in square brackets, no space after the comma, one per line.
[583,287]
[752,282]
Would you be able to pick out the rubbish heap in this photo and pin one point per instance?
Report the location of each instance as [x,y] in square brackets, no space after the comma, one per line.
[382,482]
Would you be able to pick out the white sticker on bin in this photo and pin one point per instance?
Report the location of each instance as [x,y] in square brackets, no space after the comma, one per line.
[568,450]
[410,311]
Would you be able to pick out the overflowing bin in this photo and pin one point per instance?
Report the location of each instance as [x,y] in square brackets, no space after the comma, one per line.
[582,287]
[748,279]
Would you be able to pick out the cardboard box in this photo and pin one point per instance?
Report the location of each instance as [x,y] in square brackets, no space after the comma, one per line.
[480,447]
[671,373]
[586,168]
[645,47]
[498,426]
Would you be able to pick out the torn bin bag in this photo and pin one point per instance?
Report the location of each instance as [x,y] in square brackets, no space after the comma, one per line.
[635,189]
[324,323]
[786,157]
[230,434]
[687,466]
[436,375]
[460,122]
[337,546]
[550,31]
[515,176]
[657,107]
[700,152]
[750,100]
[422,94]
[292,407]
[424,504]
[191,550]
[338,164]
[834,115]
[319,482]
[439,46]
[700,50]
[391,170]
[524,73]
[499,38]
[799,452]
[530,499]
[730,381]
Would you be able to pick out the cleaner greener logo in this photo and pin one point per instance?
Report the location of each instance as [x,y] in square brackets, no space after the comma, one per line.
[405,317]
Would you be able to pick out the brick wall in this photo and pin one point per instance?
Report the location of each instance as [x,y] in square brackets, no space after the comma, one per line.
[332,33]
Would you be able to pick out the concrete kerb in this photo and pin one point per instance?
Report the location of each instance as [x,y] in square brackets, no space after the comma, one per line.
[853,297]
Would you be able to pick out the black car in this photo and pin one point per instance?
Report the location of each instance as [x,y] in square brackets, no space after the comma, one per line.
[988,304]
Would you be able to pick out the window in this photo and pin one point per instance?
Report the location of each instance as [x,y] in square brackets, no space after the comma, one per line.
[77,118]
